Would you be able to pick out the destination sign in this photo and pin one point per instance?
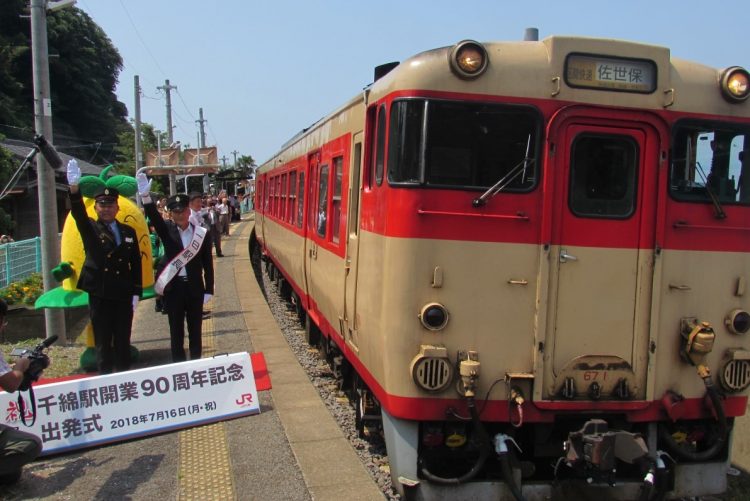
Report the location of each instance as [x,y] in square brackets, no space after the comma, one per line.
[608,73]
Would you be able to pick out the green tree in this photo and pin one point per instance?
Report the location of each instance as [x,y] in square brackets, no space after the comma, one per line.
[83,66]
[84,77]
[246,165]
[7,167]
[14,46]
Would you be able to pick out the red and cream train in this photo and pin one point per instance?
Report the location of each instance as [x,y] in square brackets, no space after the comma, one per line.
[530,260]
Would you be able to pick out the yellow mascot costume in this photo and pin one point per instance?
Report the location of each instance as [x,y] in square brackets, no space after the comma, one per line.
[72,254]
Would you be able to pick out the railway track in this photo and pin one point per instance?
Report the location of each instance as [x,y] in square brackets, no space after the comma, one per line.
[371,450]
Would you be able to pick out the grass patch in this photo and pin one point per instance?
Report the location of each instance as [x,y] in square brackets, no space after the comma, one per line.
[65,357]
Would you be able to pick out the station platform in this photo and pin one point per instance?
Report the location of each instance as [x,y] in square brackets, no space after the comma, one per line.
[292,450]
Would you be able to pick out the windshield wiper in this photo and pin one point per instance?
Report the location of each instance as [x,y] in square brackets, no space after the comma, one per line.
[719,210]
[517,170]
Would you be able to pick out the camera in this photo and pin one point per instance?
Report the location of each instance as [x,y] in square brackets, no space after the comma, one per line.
[38,362]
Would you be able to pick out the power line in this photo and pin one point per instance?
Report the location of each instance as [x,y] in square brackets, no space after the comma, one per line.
[213,134]
[138,34]
[185,105]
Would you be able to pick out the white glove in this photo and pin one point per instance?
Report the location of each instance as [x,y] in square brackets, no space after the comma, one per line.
[144,184]
[207,298]
[135,303]
[74,172]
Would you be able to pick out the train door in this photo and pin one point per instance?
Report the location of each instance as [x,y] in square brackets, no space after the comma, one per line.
[311,248]
[352,244]
[317,230]
[603,227]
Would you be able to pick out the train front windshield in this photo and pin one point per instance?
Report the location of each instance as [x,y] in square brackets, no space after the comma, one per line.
[711,160]
[446,144]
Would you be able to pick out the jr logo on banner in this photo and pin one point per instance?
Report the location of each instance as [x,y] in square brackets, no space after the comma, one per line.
[95,410]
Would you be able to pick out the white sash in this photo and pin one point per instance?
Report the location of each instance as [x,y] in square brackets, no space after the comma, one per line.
[180,260]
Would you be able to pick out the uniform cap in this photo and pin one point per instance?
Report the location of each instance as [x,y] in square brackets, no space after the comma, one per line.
[177,201]
[106,195]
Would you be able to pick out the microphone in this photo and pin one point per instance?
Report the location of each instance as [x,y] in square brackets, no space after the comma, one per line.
[48,342]
[48,151]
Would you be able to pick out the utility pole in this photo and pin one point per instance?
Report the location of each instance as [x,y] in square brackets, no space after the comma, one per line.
[138,147]
[54,318]
[170,136]
[224,161]
[235,158]
[200,122]
[202,144]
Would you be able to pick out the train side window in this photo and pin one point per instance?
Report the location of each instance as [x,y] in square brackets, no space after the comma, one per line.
[266,196]
[271,186]
[283,195]
[405,142]
[380,146]
[338,174]
[322,215]
[710,159]
[271,196]
[312,216]
[272,201]
[291,208]
[603,176]
[300,199]
[278,197]
[354,190]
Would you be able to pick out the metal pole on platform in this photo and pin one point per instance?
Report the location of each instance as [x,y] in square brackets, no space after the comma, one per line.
[54,318]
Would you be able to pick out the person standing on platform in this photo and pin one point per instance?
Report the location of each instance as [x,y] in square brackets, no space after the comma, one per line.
[198,213]
[187,280]
[111,273]
[214,228]
[223,208]
[234,207]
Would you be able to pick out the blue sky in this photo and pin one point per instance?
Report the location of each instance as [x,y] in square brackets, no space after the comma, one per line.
[262,71]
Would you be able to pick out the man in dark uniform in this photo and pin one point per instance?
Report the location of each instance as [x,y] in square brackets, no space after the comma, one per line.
[111,273]
[188,277]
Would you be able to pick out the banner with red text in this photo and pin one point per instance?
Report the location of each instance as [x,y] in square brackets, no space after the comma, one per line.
[100,409]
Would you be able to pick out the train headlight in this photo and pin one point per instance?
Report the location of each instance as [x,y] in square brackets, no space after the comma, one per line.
[735,84]
[468,59]
[738,321]
[433,316]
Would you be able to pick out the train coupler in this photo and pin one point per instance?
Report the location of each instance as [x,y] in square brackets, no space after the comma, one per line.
[593,451]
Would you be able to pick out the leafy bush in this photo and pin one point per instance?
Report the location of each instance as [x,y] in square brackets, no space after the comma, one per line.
[24,292]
